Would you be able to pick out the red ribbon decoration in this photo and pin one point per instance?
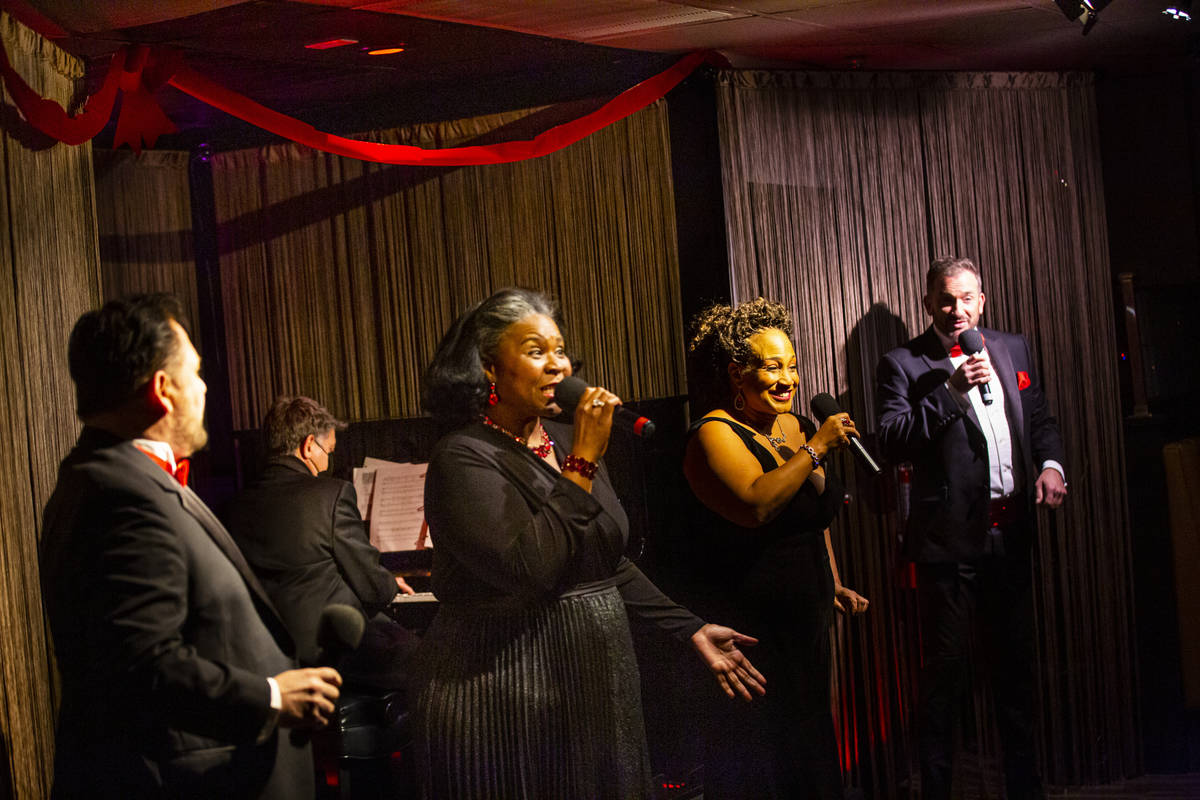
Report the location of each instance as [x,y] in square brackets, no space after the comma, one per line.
[556,138]
[50,118]
[142,120]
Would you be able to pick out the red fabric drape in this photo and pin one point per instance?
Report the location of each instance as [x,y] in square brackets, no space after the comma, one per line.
[139,71]
[50,118]
[556,138]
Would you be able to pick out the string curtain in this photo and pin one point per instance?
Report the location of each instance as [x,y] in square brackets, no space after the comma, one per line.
[339,276]
[144,214]
[839,189]
[49,275]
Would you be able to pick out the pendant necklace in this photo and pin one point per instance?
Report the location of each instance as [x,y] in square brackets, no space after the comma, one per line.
[541,451]
[776,441]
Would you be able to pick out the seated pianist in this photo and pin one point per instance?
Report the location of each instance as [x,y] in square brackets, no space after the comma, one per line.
[303,535]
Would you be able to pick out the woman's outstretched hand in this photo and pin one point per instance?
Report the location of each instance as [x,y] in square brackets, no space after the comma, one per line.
[718,647]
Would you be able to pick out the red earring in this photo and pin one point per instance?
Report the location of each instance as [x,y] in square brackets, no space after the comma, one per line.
[492,398]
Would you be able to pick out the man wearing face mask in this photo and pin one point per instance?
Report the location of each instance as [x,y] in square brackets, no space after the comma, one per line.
[305,539]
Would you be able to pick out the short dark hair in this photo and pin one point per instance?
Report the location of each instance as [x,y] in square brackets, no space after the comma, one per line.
[454,388]
[115,349]
[291,420]
[944,266]
[720,335]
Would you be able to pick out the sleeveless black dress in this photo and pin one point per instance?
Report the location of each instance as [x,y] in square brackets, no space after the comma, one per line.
[773,582]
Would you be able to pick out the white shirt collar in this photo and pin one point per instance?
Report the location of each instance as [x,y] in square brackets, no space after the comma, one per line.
[160,449]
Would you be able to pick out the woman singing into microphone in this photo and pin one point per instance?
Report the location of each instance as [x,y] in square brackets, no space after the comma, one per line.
[526,684]
[765,501]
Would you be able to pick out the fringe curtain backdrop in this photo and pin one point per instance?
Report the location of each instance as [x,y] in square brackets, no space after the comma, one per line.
[839,189]
[48,277]
[339,277]
[144,213]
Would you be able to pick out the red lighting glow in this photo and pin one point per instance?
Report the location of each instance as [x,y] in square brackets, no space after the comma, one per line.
[387,51]
[330,43]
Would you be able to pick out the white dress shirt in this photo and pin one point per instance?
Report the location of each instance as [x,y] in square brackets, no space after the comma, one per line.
[994,423]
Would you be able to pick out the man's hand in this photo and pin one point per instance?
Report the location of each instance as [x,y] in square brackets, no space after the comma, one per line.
[975,370]
[848,601]
[1051,488]
[717,646]
[308,696]
[403,586]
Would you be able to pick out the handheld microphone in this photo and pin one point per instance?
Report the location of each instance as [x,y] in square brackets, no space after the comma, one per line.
[824,406]
[971,342]
[339,631]
[568,391]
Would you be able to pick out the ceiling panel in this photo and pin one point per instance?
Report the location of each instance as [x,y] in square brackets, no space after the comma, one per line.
[91,16]
[887,13]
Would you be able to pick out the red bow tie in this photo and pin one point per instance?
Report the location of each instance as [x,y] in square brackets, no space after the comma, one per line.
[180,473]
[955,351]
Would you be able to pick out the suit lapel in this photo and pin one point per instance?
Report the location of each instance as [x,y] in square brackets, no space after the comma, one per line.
[936,358]
[1006,373]
[216,531]
[196,507]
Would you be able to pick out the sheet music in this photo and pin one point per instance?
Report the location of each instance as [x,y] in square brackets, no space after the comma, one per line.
[364,482]
[372,463]
[397,506]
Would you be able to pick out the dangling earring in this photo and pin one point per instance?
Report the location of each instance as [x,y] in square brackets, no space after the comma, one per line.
[492,398]
[739,402]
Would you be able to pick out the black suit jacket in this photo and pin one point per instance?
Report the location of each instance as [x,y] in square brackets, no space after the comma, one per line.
[308,544]
[164,640]
[922,422]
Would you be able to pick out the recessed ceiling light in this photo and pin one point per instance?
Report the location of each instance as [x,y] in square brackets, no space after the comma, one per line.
[330,43]
[386,51]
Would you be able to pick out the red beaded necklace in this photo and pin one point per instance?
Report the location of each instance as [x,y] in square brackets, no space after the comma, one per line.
[541,451]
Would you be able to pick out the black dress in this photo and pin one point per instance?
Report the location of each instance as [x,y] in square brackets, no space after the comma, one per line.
[526,684]
[773,582]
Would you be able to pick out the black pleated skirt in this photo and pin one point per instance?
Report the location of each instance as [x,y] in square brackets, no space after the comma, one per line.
[543,702]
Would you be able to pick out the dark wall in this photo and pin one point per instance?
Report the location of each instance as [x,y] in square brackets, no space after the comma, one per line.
[1149,149]
[1150,146]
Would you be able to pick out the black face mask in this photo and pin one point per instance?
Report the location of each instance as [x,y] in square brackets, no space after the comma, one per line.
[328,458]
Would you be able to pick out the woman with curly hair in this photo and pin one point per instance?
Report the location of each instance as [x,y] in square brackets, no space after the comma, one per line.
[765,501]
[526,681]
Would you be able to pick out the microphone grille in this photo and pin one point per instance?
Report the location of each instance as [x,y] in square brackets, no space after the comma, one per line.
[970,340]
[568,391]
[340,627]
[824,406]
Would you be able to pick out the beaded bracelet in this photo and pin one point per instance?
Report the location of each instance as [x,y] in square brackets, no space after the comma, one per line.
[812,454]
[585,468]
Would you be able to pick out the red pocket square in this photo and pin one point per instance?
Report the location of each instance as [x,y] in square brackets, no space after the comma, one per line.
[1022,381]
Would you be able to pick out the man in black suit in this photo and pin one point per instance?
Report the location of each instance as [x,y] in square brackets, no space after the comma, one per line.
[302,533]
[176,670]
[984,450]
